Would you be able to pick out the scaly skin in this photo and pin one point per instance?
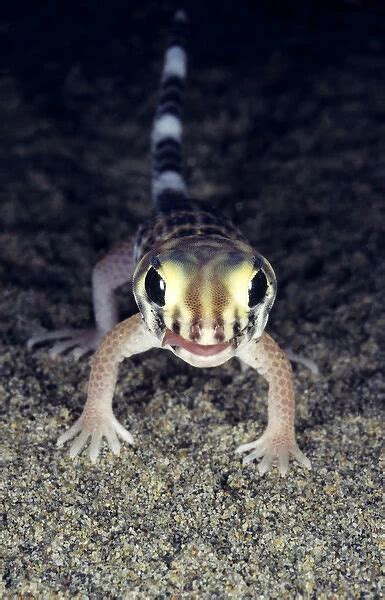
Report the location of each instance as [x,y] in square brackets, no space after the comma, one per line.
[97,419]
[278,440]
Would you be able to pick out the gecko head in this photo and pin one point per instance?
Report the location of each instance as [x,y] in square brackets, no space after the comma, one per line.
[204,297]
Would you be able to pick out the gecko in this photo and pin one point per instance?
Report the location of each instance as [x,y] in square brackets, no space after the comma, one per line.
[202,292]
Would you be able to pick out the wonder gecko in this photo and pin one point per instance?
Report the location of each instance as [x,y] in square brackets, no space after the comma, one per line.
[202,291]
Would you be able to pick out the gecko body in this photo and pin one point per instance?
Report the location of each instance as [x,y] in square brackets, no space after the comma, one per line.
[202,292]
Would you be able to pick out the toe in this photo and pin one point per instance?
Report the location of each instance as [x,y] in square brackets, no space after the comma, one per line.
[78,444]
[266,462]
[257,444]
[61,347]
[248,459]
[283,461]
[246,447]
[69,434]
[79,352]
[96,442]
[301,458]
[113,441]
[122,432]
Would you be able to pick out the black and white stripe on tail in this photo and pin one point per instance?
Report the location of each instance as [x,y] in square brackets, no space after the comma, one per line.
[168,186]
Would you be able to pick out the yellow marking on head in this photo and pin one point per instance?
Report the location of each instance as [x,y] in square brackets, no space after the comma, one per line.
[207,289]
[177,277]
[237,282]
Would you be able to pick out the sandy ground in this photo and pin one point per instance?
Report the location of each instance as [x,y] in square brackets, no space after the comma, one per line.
[285,133]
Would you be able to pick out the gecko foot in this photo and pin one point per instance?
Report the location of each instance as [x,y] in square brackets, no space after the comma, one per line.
[105,427]
[273,446]
[80,341]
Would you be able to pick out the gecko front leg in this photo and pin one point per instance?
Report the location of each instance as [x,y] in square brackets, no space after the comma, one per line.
[112,271]
[278,440]
[97,419]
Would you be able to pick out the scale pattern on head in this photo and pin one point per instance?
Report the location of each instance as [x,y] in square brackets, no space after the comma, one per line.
[208,289]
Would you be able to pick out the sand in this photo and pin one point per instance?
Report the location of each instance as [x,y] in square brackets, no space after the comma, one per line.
[285,133]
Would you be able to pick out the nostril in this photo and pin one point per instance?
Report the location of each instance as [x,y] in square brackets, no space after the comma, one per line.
[176,327]
[219,332]
[195,332]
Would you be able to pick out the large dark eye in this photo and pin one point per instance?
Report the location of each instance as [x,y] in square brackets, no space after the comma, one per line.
[155,287]
[257,289]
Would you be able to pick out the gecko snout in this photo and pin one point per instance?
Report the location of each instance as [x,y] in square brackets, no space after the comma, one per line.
[207,332]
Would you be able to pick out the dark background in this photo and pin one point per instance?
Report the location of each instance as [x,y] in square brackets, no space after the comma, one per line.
[299,82]
[285,133]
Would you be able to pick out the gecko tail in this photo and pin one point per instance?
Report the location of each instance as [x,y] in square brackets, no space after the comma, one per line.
[169,190]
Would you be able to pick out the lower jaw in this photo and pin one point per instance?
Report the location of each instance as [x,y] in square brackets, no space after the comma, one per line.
[197,360]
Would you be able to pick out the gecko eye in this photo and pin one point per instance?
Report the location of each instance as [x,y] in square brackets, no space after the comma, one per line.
[155,287]
[257,289]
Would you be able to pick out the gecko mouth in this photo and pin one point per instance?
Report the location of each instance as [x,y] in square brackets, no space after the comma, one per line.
[177,341]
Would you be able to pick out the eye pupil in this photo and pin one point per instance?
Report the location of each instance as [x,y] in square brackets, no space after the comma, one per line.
[257,289]
[155,287]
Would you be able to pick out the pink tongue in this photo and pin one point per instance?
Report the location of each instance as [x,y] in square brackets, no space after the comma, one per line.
[173,339]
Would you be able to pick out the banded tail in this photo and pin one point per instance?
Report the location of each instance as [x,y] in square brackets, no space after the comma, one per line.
[168,185]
